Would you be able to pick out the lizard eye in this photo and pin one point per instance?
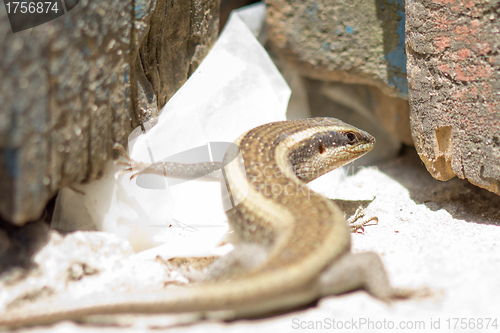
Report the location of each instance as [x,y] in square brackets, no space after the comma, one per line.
[351,137]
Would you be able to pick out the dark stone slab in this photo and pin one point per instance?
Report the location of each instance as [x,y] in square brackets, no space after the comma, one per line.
[72,87]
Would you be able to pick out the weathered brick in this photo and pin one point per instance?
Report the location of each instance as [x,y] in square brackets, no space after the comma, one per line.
[454,80]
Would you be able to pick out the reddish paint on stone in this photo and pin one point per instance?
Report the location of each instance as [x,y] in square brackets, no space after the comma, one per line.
[469,5]
[471,73]
[445,68]
[462,54]
[442,42]
[443,1]
[454,80]
[482,48]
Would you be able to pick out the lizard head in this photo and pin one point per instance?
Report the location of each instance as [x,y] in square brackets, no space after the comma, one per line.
[324,145]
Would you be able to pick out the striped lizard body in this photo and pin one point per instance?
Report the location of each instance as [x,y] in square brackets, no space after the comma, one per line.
[305,236]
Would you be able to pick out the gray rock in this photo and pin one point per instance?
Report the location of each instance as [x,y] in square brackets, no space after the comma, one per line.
[72,87]
[349,41]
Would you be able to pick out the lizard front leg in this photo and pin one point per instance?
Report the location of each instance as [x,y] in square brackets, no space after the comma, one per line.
[203,170]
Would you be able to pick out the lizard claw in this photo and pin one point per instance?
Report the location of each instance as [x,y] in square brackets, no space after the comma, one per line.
[358,221]
[119,147]
[129,164]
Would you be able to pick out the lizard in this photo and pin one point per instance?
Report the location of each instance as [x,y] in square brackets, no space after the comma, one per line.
[304,235]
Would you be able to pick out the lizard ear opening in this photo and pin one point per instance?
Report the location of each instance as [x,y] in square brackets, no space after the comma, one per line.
[322,149]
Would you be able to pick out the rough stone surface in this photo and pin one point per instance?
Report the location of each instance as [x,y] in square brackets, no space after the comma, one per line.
[454,80]
[181,34]
[350,41]
[68,92]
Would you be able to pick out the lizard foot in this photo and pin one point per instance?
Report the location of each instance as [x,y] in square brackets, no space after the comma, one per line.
[364,271]
[358,221]
[130,165]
